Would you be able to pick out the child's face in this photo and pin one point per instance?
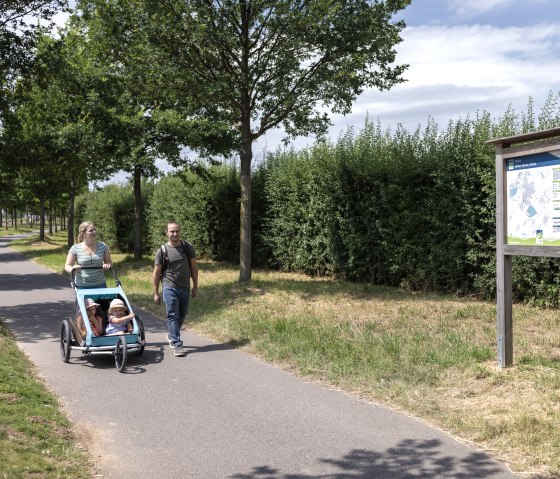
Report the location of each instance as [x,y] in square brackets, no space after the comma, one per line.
[118,312]
[91,310]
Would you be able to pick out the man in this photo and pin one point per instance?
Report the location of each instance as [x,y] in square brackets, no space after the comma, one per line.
[174,266]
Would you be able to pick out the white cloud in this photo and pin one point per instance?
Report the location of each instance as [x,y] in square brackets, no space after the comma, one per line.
[480,55]
[455,72]
[470,8]
[60,19]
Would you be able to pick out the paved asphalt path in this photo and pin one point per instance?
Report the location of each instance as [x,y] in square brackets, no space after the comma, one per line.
[217,413]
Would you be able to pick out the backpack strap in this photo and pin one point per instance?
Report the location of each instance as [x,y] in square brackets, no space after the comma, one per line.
[186,250]
[164,260]
[188,253]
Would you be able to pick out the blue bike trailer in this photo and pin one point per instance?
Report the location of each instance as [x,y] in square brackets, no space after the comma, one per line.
[118,345]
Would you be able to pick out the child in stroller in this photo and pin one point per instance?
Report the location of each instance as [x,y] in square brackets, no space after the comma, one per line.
[95,321]
[119,321]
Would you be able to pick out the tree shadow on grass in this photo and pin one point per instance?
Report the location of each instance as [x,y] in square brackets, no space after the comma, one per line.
[410,459]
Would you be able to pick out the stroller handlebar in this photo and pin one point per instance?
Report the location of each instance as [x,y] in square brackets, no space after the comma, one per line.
[73,274]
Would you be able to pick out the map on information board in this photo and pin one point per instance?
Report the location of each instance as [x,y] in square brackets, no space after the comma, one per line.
[533,199]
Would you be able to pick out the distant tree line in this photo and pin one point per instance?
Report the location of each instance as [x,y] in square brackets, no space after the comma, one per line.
[413,210]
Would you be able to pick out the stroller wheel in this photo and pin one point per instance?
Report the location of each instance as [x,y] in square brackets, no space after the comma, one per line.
[65,340]
[142,336]
[121,353]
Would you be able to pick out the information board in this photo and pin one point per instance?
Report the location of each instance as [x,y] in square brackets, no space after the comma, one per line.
[533,199]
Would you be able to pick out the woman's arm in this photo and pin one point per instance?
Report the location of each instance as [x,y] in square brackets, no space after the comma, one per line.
[71,263]
[107,262]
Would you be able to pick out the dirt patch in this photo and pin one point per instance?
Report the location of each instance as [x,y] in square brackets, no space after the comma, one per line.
[89,439]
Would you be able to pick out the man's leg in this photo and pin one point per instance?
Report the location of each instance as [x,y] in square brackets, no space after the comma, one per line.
[184,297]
[171,300]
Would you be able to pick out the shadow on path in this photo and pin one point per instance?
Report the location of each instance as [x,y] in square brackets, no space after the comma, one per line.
[29,282]
[207,348]
[411,459]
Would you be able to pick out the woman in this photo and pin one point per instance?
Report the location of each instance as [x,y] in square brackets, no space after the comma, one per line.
[88,252]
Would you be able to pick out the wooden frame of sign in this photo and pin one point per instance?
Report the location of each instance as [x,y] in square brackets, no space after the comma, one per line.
[522,155]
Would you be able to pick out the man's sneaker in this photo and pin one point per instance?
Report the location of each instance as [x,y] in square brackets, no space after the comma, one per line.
[179,351]
[169,340]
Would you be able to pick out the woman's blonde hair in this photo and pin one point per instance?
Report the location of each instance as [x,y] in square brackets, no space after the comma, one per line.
[82,230]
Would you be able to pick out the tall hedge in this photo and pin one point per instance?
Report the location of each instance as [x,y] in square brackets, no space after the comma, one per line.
[409,209]
[112,211]
[205,202]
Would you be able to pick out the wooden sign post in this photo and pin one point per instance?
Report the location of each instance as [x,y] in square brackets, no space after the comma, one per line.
[527,215]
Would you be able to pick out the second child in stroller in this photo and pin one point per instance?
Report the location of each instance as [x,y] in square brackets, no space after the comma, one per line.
[119,321]
[94,319]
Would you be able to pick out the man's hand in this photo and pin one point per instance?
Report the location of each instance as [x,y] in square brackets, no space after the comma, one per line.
[157,298]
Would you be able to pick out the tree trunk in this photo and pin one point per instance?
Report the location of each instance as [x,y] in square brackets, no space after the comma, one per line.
[137,213]
[71,195]
[246,150]
[42,210]
[50,218]
[246,155]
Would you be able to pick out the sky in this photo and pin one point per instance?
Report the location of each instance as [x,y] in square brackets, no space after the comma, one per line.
[464,57]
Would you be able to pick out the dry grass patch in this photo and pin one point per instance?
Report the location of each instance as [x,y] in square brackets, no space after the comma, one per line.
[503,411]
[429,355]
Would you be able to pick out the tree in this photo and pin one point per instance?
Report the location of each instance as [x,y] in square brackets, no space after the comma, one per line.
[19,26]
[261,65]
[62,113]
[19,29]
[146,123]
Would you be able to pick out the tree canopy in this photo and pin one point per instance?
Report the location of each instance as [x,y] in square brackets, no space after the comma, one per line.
[260,65]
[143,78]
[20,21]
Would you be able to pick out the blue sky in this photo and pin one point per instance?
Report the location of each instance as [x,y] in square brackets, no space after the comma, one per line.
[465,56]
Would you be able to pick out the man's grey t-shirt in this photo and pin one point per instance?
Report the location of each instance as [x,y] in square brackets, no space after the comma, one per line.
[177,274]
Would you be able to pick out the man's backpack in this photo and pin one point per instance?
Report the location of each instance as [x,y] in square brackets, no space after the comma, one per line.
[165,258]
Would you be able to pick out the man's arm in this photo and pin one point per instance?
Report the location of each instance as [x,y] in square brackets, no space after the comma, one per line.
[156,275]
[194,277]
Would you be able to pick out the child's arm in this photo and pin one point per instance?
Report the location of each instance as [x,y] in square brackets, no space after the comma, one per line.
[97,328]
[124,319]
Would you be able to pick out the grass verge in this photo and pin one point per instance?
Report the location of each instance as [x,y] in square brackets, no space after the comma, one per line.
[36,439]
[432,356]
